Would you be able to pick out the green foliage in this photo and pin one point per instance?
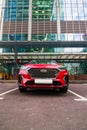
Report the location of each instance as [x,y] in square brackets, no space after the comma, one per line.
[83,66]
[3,69]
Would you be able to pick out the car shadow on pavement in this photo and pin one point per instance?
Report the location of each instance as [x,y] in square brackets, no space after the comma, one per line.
[40,93]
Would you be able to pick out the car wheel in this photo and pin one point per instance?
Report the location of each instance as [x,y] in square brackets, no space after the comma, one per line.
[64,89]
[21,89]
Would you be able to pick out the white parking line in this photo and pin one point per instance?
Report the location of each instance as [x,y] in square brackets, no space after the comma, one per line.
[85,84]
[1,98]
[9,91]
[81,98]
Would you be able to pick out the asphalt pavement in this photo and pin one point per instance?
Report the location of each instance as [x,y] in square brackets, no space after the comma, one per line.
[43,109]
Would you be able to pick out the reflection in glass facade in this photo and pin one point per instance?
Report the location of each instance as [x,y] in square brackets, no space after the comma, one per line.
[44,11]
[16,11]
[75,11]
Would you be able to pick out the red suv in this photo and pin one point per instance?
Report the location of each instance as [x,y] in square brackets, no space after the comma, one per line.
[43,74]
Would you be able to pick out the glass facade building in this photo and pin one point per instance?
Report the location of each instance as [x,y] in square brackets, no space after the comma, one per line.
[43,21]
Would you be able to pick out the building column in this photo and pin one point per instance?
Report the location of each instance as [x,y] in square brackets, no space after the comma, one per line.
[58,20]
[2,18]
[15,62]
[30,21]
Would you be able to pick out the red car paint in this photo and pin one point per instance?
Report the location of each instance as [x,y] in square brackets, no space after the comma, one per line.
[43,75]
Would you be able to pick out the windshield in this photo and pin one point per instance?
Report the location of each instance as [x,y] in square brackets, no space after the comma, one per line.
[42,62]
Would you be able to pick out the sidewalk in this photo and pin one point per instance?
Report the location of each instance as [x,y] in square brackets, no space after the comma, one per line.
[70,81]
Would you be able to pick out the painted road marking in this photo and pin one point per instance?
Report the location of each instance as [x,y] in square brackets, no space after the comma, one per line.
[9,91]
[85,84]
[81,98]
[1,98]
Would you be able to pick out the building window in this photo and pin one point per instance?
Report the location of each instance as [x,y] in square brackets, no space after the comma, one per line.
[5,37]
[15,37]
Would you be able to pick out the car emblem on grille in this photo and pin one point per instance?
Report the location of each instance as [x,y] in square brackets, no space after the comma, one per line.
[43,70]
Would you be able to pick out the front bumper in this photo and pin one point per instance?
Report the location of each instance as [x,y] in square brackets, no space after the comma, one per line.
[39,84]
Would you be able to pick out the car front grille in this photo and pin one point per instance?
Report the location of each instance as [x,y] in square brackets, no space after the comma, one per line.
[43,73]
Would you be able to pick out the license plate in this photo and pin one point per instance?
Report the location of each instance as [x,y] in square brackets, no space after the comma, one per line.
[43,81]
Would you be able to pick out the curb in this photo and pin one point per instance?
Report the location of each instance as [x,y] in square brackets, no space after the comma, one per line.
[8,81]
[78,81]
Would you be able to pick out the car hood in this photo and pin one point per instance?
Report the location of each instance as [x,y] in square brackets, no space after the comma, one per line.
[53,66]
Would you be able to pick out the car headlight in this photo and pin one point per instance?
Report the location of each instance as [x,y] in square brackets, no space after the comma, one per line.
[62,68]
[25,68]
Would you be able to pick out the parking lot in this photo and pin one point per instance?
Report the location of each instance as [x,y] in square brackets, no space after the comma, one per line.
[43,109]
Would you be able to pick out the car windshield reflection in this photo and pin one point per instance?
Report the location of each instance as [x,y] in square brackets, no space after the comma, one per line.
[42,62]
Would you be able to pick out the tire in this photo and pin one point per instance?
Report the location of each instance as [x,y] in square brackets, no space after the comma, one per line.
[22,89]
[64,89]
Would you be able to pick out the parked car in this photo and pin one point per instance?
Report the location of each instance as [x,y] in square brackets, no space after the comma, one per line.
[43,74]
